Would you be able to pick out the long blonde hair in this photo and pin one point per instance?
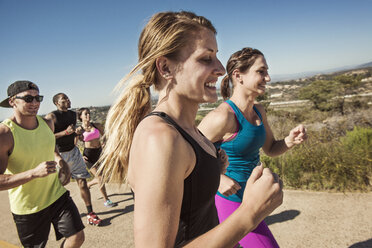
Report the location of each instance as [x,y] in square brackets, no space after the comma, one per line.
[166,34]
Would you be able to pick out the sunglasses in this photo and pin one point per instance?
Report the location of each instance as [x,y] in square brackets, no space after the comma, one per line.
[29,98]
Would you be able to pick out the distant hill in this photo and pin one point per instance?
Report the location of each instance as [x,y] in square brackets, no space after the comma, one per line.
[286,77]
[364,65]
[287,90]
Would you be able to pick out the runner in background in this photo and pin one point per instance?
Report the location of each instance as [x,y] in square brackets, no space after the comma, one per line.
[64,130]
[91,135]
[29,162]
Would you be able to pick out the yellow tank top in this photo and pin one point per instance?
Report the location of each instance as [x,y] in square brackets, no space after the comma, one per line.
[31,147]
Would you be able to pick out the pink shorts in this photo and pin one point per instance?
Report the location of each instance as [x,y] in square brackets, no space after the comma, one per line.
[261,237]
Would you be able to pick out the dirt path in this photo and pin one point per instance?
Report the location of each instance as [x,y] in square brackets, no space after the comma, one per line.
[305,219]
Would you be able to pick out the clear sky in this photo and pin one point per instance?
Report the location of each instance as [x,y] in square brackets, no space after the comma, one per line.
[84,47]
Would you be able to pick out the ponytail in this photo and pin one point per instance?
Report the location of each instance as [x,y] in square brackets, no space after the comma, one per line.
[122,119]
[225,87]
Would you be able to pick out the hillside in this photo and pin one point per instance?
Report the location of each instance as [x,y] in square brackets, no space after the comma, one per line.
[288,90]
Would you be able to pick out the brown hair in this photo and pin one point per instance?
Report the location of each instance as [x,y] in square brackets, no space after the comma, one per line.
[80,111]
[165,34]
[241,60]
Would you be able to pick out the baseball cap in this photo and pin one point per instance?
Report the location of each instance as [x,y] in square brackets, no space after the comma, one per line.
[18,87]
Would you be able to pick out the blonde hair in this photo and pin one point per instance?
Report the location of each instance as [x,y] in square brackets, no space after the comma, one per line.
[241,60]
[166,34]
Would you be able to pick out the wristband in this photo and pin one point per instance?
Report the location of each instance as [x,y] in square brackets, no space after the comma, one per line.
[66,133]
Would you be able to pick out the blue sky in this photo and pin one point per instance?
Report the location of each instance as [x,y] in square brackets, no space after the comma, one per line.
[84,47]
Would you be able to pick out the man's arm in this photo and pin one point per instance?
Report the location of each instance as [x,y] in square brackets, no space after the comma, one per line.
[12,181]
[63,166]
[69,130]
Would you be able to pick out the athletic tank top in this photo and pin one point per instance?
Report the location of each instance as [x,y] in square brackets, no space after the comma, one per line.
[243,150]
[93,134]
[31,147]
[63,120]
[198,210]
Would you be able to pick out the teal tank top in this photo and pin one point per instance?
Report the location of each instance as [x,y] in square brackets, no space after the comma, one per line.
[243,150]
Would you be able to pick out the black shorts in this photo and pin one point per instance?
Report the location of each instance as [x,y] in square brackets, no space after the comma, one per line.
[33,229]
[93,155]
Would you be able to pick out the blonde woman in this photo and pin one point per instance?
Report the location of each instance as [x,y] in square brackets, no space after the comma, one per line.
[171,167]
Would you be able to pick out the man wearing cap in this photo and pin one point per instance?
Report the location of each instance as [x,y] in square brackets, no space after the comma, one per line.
[28,164]
[64,130]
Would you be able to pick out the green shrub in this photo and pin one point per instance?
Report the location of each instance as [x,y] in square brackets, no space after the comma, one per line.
[358,143]
[322,163]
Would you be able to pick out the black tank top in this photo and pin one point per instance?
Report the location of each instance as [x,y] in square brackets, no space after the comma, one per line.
[198,210]
[63,120]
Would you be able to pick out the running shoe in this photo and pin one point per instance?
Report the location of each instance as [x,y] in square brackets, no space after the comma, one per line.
[110,204]
[93,219]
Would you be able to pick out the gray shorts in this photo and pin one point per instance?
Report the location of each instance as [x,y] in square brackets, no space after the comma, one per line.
[76,163]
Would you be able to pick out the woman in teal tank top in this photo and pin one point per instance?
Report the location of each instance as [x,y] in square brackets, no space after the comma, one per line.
[240,127]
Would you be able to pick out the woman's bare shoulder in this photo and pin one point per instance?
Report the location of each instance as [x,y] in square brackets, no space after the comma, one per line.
[218,122]
[157,136]
[159,148]
[154,127]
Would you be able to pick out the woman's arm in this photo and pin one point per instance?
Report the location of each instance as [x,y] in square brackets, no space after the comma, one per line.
[273,147]
[100,128]
[160,160]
